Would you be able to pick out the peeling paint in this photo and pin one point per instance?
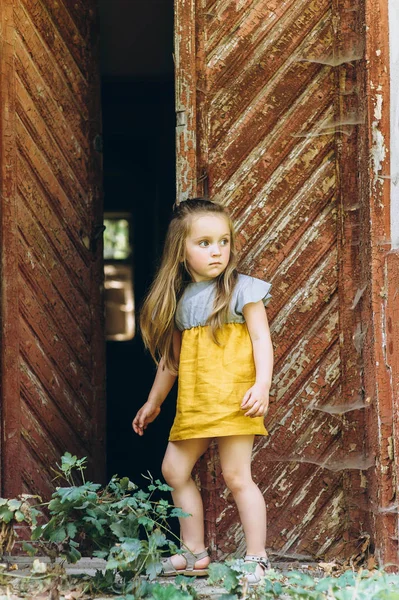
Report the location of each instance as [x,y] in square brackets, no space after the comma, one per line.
[378,150]
[394,120]
[56,322]
[270,125]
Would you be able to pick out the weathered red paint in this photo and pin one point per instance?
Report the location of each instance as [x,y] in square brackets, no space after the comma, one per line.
[277,100]
[53,365]
[10,405]
[349,43]
[379,268]
[185,99]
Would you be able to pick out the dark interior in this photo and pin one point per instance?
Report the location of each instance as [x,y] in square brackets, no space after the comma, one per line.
[139,177]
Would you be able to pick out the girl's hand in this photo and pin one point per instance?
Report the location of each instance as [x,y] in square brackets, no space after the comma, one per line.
[256,401]
[146,415]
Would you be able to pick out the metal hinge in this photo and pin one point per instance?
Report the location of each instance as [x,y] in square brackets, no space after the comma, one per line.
[181,120]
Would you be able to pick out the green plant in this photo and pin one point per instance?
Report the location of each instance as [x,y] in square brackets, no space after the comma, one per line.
[16,511]
[118,522]
[351,585]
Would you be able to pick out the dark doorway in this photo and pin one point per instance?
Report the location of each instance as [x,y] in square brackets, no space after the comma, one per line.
[139,180]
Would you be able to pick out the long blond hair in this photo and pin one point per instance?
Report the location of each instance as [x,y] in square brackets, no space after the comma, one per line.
[157,319]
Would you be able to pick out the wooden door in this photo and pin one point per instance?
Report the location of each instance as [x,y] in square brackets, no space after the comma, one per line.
[52,343]
[266,95]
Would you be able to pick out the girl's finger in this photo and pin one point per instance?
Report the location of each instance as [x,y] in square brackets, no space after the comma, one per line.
[254,409]
[245,399]
[137,429]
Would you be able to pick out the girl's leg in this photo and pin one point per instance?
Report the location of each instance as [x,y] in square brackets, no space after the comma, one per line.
[235,457]
[178,463]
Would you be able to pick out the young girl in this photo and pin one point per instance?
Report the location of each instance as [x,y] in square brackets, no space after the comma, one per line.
[207,324]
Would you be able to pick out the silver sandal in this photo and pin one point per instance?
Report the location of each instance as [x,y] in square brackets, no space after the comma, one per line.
[263,561]
[168,570]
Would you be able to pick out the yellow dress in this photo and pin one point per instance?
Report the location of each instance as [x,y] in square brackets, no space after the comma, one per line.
[214,379]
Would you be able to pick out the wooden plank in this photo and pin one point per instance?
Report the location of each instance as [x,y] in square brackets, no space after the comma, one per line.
[185,99]
[10,427]
[375,268]
[265,94]
[52,260]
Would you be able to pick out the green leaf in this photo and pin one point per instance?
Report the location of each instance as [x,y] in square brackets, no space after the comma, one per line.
[14,504]
[19,516]
[68,462]
[163,487]
[184,580]
[140,495]
[157,539]
[132,546]
[277,588]
[224,574]
[178,512]
[3,501]
[29,549]
[118,529]
[6,515]
[71,529]
[34,514]
[37,533]
[81,463]
[97,523]
[73,555]
[146,522]
[344,594]
[305,580]
[125,483]
[55,506]
[111,564]
[153,569]
[58,535]
[100,553]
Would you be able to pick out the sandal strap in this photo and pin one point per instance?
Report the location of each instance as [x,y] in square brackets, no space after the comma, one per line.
[192,558]
[167,565]
[262,560]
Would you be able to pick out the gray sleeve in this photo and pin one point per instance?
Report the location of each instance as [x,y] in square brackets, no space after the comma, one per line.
[251,289]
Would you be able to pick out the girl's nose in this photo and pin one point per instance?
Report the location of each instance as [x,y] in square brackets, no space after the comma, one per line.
[215,250]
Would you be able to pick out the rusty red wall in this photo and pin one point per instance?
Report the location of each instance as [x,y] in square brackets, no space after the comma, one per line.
[380,274]
[269,123]
[52,350]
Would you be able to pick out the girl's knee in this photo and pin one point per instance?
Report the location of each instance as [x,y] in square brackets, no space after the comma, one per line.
[174,476]
[236,481]
[167,471]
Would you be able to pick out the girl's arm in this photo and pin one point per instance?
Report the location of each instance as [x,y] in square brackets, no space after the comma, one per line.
[256,400]
[161,387]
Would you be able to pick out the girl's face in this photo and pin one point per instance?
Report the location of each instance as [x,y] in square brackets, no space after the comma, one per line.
[208,246]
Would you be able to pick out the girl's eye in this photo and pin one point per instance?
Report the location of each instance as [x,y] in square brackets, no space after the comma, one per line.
[204,244]
[224,242]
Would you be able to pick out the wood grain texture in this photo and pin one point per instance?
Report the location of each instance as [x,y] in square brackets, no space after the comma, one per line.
[54,259]
[10,400]
[272,135]
[380,277]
